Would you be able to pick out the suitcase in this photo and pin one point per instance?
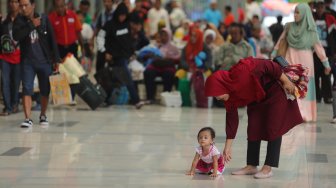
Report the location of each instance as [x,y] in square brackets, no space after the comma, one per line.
[103,77]
[93,95]
[112,77]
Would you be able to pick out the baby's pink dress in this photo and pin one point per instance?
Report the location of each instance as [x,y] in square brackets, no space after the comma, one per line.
[205,164]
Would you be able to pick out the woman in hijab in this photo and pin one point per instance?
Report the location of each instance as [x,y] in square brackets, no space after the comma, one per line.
[163,67]
[219,40]
[193,49]
[301,37]
[196,64]
[209,38]
[260,85]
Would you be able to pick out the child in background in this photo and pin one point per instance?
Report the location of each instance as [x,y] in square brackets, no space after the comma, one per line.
[207,158]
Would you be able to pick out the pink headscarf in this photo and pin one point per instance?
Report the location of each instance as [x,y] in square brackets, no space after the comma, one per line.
[169,50]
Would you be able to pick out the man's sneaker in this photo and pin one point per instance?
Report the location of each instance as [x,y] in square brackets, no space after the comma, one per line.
[44,120]
[27,123]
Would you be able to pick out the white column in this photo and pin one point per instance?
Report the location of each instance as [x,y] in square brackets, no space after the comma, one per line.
[39,6]
[3,8]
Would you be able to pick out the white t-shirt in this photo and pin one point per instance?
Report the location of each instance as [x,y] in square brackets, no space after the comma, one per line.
[208,158]
[177,16]
[252,9]
[154,17]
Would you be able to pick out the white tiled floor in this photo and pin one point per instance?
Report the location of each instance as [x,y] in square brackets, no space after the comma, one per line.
[121,147]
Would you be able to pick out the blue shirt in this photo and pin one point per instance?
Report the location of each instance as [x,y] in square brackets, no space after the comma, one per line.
[213,16]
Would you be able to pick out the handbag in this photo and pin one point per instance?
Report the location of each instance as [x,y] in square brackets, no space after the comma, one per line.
[119,96]
[60,89]
[283,44]
[72,66]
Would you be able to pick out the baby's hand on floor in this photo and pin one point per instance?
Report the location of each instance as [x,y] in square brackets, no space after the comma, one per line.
[213,175]
[190,173]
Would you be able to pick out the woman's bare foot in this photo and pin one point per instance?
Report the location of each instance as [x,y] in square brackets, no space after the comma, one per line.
[266,169]
[265,172]
[247,170]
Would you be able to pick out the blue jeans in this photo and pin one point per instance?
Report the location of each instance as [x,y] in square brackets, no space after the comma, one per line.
[42,70]
[10,84]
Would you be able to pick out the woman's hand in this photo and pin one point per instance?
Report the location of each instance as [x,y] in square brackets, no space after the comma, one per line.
[227,152]
[327,71]
[227,155]
[108,57]
[289,87]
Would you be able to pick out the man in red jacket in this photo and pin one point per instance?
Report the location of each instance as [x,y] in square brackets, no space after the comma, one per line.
[67,29]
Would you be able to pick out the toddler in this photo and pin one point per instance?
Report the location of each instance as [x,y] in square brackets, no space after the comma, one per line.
[207,158]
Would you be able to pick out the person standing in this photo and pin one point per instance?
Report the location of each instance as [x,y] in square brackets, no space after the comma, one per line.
[67,28]
[157,15]
[301,38]
[10,61]
[84,9]
[229,17]
[325,23]
[105,16]
[177,15]
[118,44]
[38,54]
[212,14]
[276,29]
[252,8]
[328,8]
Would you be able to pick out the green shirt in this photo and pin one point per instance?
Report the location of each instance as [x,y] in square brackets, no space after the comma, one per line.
[88,19]
[229,54]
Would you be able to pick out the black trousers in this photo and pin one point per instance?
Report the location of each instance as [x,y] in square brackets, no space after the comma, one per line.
[64,50]
[272,155]
[100,61]
[149,77]
[323,88]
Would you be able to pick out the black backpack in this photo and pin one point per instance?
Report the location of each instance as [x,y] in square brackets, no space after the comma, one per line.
[7,44]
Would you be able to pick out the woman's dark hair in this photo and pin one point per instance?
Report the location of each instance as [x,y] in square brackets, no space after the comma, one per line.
[211,130]
[31,1]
